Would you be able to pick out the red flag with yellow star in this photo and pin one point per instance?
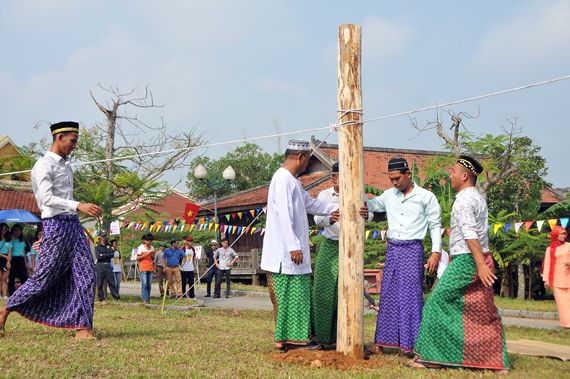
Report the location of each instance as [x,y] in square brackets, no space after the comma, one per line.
[190,212]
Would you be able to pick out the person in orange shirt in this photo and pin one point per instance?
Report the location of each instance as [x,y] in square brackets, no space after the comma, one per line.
[556,272]
[145,257]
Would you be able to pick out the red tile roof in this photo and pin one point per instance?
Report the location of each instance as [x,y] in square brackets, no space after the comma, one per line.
[256,197]
[550,196]
[19,200]
[171,205]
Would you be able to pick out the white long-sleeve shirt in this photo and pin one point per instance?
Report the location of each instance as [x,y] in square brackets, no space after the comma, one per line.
[287,226]
[469,221]
[332,232]
[52,183]
[410,216]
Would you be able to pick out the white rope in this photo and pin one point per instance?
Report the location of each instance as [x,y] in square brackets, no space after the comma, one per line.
[335,126]
[332,127]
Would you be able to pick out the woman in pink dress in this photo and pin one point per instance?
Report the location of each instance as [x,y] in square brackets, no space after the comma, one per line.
[556,272]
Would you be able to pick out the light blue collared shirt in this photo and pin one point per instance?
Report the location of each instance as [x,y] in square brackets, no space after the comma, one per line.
[409,216]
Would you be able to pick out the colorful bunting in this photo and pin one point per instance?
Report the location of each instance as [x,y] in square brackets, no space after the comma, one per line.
[564,222]
[496,228]
[527,225]
[552,223]
[518,226]
[539,224]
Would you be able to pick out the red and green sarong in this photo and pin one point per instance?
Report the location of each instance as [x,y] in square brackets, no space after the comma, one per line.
[325,293]
[293,295]
[460,322]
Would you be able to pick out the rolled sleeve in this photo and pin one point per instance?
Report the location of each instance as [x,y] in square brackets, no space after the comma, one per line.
[377,204]
[468,226]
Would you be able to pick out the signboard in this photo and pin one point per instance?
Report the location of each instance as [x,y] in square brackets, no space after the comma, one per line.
[115,228]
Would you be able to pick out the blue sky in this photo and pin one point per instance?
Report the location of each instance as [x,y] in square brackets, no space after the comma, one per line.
[248,68]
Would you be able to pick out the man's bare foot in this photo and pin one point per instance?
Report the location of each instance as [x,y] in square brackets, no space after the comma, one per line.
[3,317]
[503,372]
[84,334]
[377,350]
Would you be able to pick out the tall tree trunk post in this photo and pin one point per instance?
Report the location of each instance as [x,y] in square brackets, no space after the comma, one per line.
[521,281]
[350,326]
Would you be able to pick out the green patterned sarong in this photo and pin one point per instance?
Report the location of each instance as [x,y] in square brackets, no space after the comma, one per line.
[325,293]
[293,295]
[460,322]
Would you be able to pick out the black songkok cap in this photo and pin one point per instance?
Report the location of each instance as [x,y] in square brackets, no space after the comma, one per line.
[470,164]
[334,168]
[64,126]
[397,164]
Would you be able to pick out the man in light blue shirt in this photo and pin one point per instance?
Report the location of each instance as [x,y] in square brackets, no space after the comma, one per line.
[411,211]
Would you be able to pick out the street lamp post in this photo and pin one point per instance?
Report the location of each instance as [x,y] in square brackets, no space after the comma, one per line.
[215,184]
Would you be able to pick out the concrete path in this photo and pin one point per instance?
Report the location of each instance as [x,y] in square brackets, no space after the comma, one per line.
[532,323]
[262,302]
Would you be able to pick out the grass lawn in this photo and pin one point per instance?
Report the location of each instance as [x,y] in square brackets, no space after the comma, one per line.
[139,342]
[525,305]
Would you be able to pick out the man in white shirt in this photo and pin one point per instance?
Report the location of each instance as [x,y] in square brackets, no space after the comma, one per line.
[224,259]
[461,326]
[62,292]
[411,211]
[325,283]
[286,256]
[187,267]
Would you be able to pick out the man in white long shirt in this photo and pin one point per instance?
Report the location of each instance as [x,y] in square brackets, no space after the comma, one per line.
[410,210]
[286,255]
[62,291]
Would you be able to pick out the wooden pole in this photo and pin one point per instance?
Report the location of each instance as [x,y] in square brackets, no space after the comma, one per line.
[350,326]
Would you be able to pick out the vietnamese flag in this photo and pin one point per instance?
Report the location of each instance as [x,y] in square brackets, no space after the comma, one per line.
[190,212]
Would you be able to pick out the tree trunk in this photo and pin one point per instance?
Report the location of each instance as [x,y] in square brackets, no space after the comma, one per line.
[521,282]
[350,330]
[109,154]
[505,282]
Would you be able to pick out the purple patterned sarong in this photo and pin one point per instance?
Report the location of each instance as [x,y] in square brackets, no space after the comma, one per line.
[401,295]
[62,292]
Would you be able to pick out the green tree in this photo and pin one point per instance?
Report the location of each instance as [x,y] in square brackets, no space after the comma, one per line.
[252,165]
[519,190]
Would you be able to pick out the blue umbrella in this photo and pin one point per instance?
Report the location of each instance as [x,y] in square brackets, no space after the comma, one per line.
[17,215]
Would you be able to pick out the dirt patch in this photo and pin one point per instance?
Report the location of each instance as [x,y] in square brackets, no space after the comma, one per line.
[334,359]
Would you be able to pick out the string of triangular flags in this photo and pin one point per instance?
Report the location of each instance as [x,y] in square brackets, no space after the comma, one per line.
[207,224]
[199,224]
[517,226]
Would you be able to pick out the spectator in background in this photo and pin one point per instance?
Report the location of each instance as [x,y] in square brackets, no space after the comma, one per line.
[5,255]
[33,255]
[160,268]
[171,259]
[105,253]
[117,264]
[19,263]
[145,257]
[212,269]
[224,258]
[187,268]
[557,272]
